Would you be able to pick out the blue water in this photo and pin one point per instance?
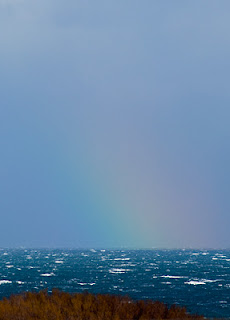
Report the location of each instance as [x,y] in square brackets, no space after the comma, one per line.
[199,280]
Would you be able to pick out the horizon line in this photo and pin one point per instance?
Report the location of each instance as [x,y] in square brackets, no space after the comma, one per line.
[111,248]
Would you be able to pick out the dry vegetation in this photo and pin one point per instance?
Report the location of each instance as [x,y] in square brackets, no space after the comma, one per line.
[85,306]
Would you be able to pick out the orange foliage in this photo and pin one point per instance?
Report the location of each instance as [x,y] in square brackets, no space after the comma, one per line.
[85,306]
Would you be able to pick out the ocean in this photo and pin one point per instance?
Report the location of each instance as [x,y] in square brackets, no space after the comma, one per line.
[196,279]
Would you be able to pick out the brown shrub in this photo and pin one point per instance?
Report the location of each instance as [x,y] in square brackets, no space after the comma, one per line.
[85,306]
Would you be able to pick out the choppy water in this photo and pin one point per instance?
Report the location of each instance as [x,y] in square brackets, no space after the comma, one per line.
[199,280]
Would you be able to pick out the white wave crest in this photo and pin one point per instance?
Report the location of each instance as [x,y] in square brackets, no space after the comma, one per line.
[5,282]
[47,274]
[116,270]
[195,283]
[173,277]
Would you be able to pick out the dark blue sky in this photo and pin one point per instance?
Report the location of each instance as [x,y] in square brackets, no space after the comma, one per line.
[114,126]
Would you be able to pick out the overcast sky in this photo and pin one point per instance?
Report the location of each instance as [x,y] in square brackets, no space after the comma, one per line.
[114,123]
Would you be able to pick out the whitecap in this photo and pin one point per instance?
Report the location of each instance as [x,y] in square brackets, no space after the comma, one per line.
[47,274]
[116,270]
[5,282]
[122,259]
[210,281]
[20,282]
[173,277]
[194,283]
[135,290]
[59,261]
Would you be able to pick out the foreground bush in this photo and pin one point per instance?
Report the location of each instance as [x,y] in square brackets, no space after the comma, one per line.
[85,306]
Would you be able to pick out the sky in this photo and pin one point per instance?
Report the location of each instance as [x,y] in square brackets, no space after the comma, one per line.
[114,124]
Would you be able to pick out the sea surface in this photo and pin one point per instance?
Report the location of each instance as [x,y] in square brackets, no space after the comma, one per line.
[198,280]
